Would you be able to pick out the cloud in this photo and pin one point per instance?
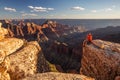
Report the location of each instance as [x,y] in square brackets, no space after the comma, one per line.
[78,8]
[104,10]
[40,9]
[29,14]
[108,9]
[50,8]
[31,7]
[94,11]
[10,9]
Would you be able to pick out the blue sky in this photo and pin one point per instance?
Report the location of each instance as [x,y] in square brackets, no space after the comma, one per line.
[60,9]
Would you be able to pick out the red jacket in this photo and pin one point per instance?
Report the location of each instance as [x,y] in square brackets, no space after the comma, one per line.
[89,37]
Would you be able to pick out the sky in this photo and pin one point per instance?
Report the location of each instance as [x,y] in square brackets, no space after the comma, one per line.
[60,9]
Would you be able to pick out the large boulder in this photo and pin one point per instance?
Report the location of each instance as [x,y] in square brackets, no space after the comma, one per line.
[101,60]
[8,46]
[4,75]
[25,61]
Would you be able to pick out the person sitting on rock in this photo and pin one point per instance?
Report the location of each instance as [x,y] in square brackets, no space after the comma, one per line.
[89,38]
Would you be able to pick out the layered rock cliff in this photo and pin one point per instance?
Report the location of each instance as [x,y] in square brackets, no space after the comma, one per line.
[101,60]
[31,31]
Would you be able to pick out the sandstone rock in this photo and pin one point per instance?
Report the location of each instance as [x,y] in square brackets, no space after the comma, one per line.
[4,75]
[99,63]
[24,61]
[20,59]
[8,46]
[57,76]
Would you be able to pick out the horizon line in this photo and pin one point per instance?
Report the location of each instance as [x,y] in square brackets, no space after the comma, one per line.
[62,18]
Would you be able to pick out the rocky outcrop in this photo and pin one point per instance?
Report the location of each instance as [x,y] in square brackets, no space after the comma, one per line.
[101,60]
[8,46]
[24,61]
[57,76]
[19,58]
[4,75]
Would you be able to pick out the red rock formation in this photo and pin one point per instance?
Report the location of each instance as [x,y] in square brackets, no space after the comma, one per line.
[19,31]
[31,31]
